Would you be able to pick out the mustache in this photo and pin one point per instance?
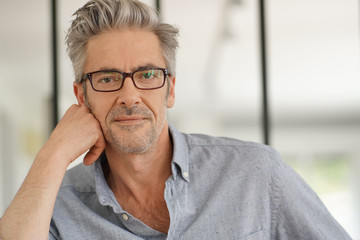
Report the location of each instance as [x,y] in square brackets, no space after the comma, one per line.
[125,111]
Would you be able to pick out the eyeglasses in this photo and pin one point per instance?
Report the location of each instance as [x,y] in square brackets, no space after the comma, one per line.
[110,81]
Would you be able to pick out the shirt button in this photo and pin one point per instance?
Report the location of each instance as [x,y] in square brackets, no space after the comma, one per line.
[125,217]
[185,174]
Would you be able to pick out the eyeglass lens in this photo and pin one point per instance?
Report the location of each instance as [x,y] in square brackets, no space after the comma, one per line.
[143,79]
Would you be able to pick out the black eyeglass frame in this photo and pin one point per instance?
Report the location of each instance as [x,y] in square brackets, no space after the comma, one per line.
[125,75]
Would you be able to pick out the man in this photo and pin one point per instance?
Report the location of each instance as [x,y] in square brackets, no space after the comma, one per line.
[146,179]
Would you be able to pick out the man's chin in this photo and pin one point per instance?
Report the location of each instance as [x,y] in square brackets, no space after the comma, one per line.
[133,138]
[131,145]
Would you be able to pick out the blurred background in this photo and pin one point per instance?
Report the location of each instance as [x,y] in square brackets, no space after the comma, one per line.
[313,85]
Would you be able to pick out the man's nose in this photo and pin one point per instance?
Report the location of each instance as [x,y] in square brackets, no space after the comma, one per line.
[129,95]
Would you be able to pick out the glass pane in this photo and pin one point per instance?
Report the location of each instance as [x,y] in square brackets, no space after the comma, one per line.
[25,92]
[314,77]
[217,87]
[314,66]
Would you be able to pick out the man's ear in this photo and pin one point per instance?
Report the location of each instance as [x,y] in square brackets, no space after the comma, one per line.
[79,92]
[171,97]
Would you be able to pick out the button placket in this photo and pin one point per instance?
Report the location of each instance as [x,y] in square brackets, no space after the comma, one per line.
[125,216]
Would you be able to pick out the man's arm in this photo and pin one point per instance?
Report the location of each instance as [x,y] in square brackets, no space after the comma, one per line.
[299,213]
[29,214]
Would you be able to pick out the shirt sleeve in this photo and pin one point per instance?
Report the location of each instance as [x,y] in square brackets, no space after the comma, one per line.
[299,213]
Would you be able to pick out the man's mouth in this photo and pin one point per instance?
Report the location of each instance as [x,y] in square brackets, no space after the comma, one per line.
[134,116]
[130,120]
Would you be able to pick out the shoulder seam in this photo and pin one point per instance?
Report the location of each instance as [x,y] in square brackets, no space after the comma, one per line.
[260,147]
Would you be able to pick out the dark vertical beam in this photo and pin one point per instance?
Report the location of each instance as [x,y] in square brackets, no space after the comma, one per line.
[158,6]
[54,46]
[265,108]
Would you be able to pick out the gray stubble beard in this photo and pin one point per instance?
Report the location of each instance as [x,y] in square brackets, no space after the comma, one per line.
[120,144]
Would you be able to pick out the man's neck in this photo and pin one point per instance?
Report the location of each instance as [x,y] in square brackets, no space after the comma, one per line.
[141,176]
[138,181]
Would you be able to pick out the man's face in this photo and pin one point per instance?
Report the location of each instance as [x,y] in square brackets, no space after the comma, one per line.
[131,119]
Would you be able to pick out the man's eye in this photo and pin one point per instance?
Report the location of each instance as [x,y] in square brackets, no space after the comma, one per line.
[105,80]
[148,75]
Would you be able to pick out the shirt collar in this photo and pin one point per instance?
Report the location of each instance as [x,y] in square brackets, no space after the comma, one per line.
[103,191]
[180,165]
[180,154]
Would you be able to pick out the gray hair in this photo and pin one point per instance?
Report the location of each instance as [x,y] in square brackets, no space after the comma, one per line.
[99,16]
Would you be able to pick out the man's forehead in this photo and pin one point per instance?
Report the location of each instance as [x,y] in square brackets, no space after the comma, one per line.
[126,50]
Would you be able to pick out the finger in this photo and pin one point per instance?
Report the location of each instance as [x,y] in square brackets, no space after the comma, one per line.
[94,152]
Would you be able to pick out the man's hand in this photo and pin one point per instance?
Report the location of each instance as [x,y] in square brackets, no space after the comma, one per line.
[77,132]
[29,214]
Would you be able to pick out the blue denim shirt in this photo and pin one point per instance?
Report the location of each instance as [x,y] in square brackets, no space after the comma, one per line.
[220,188]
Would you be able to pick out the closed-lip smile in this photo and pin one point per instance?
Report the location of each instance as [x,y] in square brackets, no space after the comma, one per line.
[129,119]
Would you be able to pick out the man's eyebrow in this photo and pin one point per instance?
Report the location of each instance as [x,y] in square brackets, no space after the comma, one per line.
[109,69]
[149,65]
